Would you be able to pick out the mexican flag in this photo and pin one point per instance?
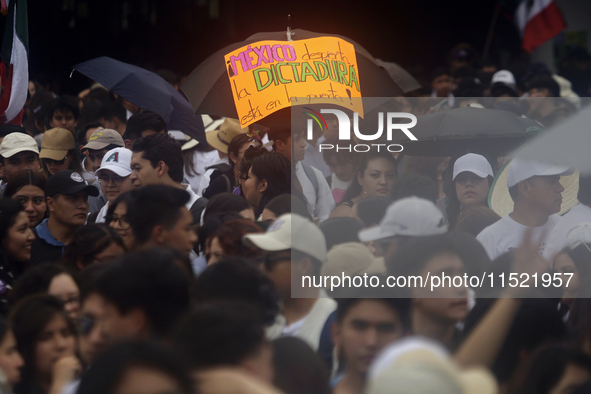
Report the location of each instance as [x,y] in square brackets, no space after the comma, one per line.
[537,21]
[14,63]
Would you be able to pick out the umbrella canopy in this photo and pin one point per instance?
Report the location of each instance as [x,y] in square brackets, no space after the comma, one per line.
[402,77]
[564,144]
[147,90]
[456,132]
[210,91]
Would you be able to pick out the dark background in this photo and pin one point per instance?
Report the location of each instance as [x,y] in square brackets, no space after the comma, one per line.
[179,34]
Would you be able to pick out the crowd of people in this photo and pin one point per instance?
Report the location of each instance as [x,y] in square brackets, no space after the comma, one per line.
[136,260]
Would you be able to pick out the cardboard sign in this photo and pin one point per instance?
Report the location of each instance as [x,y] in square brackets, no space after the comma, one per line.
[270,75]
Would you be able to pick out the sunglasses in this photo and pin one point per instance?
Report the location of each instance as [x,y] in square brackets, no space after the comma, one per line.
[57,162]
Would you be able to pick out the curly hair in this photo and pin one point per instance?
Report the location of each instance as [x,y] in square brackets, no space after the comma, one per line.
[230,236]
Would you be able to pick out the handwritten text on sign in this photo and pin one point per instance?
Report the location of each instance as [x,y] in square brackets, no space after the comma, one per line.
[270,75]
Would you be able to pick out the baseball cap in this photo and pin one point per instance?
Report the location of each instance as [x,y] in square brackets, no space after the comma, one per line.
[520,170]
[476,164]
[412,216]
[102,138]
[418,365]
[220,139]
[68,182]
[14,143]
[352,258]
[291,231]
[117,160]
[504,76]
[56,143]
[581,233]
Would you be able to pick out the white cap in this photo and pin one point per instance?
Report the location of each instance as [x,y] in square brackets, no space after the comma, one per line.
[421,366]
[17,142]
[412,216]
[520,170]
[504,76]
[117,160]
[352,258]
[476,164]
[291,231]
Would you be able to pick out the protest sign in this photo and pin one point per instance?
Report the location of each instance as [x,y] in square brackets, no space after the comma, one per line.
[267,76]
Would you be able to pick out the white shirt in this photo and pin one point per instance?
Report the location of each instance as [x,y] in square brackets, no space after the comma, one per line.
[338,188]
[206,177]
[507,234]
[202,160]
[194,197]
[317,207]
[100,218]
[557,240]
[315,158]
[309,328]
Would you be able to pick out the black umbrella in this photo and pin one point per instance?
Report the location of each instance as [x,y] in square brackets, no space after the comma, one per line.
[456,132]
[147,90]
[208,86]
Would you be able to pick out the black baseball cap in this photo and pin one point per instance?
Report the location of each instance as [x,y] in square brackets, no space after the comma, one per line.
[68,182]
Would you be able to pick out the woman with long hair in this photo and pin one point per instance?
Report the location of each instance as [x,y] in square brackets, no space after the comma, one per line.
[16,239]
[28,188]
[375,177]
[117,219]
[269,176]
[46,338]
[11,361]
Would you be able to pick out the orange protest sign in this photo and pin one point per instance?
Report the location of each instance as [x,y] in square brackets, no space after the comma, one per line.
[267,76]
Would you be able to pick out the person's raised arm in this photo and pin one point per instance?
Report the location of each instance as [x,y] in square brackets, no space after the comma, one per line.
[483,344]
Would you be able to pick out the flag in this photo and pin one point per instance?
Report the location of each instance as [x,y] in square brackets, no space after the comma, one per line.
[14,63]
[538,21]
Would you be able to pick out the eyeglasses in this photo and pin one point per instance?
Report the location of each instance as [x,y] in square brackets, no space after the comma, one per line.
[121,221]
[85,324]
[117,180]
[48,162]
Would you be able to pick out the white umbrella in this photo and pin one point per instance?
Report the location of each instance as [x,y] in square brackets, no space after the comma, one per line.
[567,143]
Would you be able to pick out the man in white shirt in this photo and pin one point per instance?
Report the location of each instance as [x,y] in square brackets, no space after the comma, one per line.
[157,160]
[537,195]
[580,213]
[314,186]
[295,249]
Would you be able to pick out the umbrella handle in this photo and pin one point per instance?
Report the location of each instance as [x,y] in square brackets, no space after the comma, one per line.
[289,33]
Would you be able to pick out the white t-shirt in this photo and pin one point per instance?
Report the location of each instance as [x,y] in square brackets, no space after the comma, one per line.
[309,328]
[507,234]
[202,160]
[338,188]
[100,218]
[556,241]
[317,207]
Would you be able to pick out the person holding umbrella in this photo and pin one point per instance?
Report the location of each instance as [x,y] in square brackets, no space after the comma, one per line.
[536,191]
